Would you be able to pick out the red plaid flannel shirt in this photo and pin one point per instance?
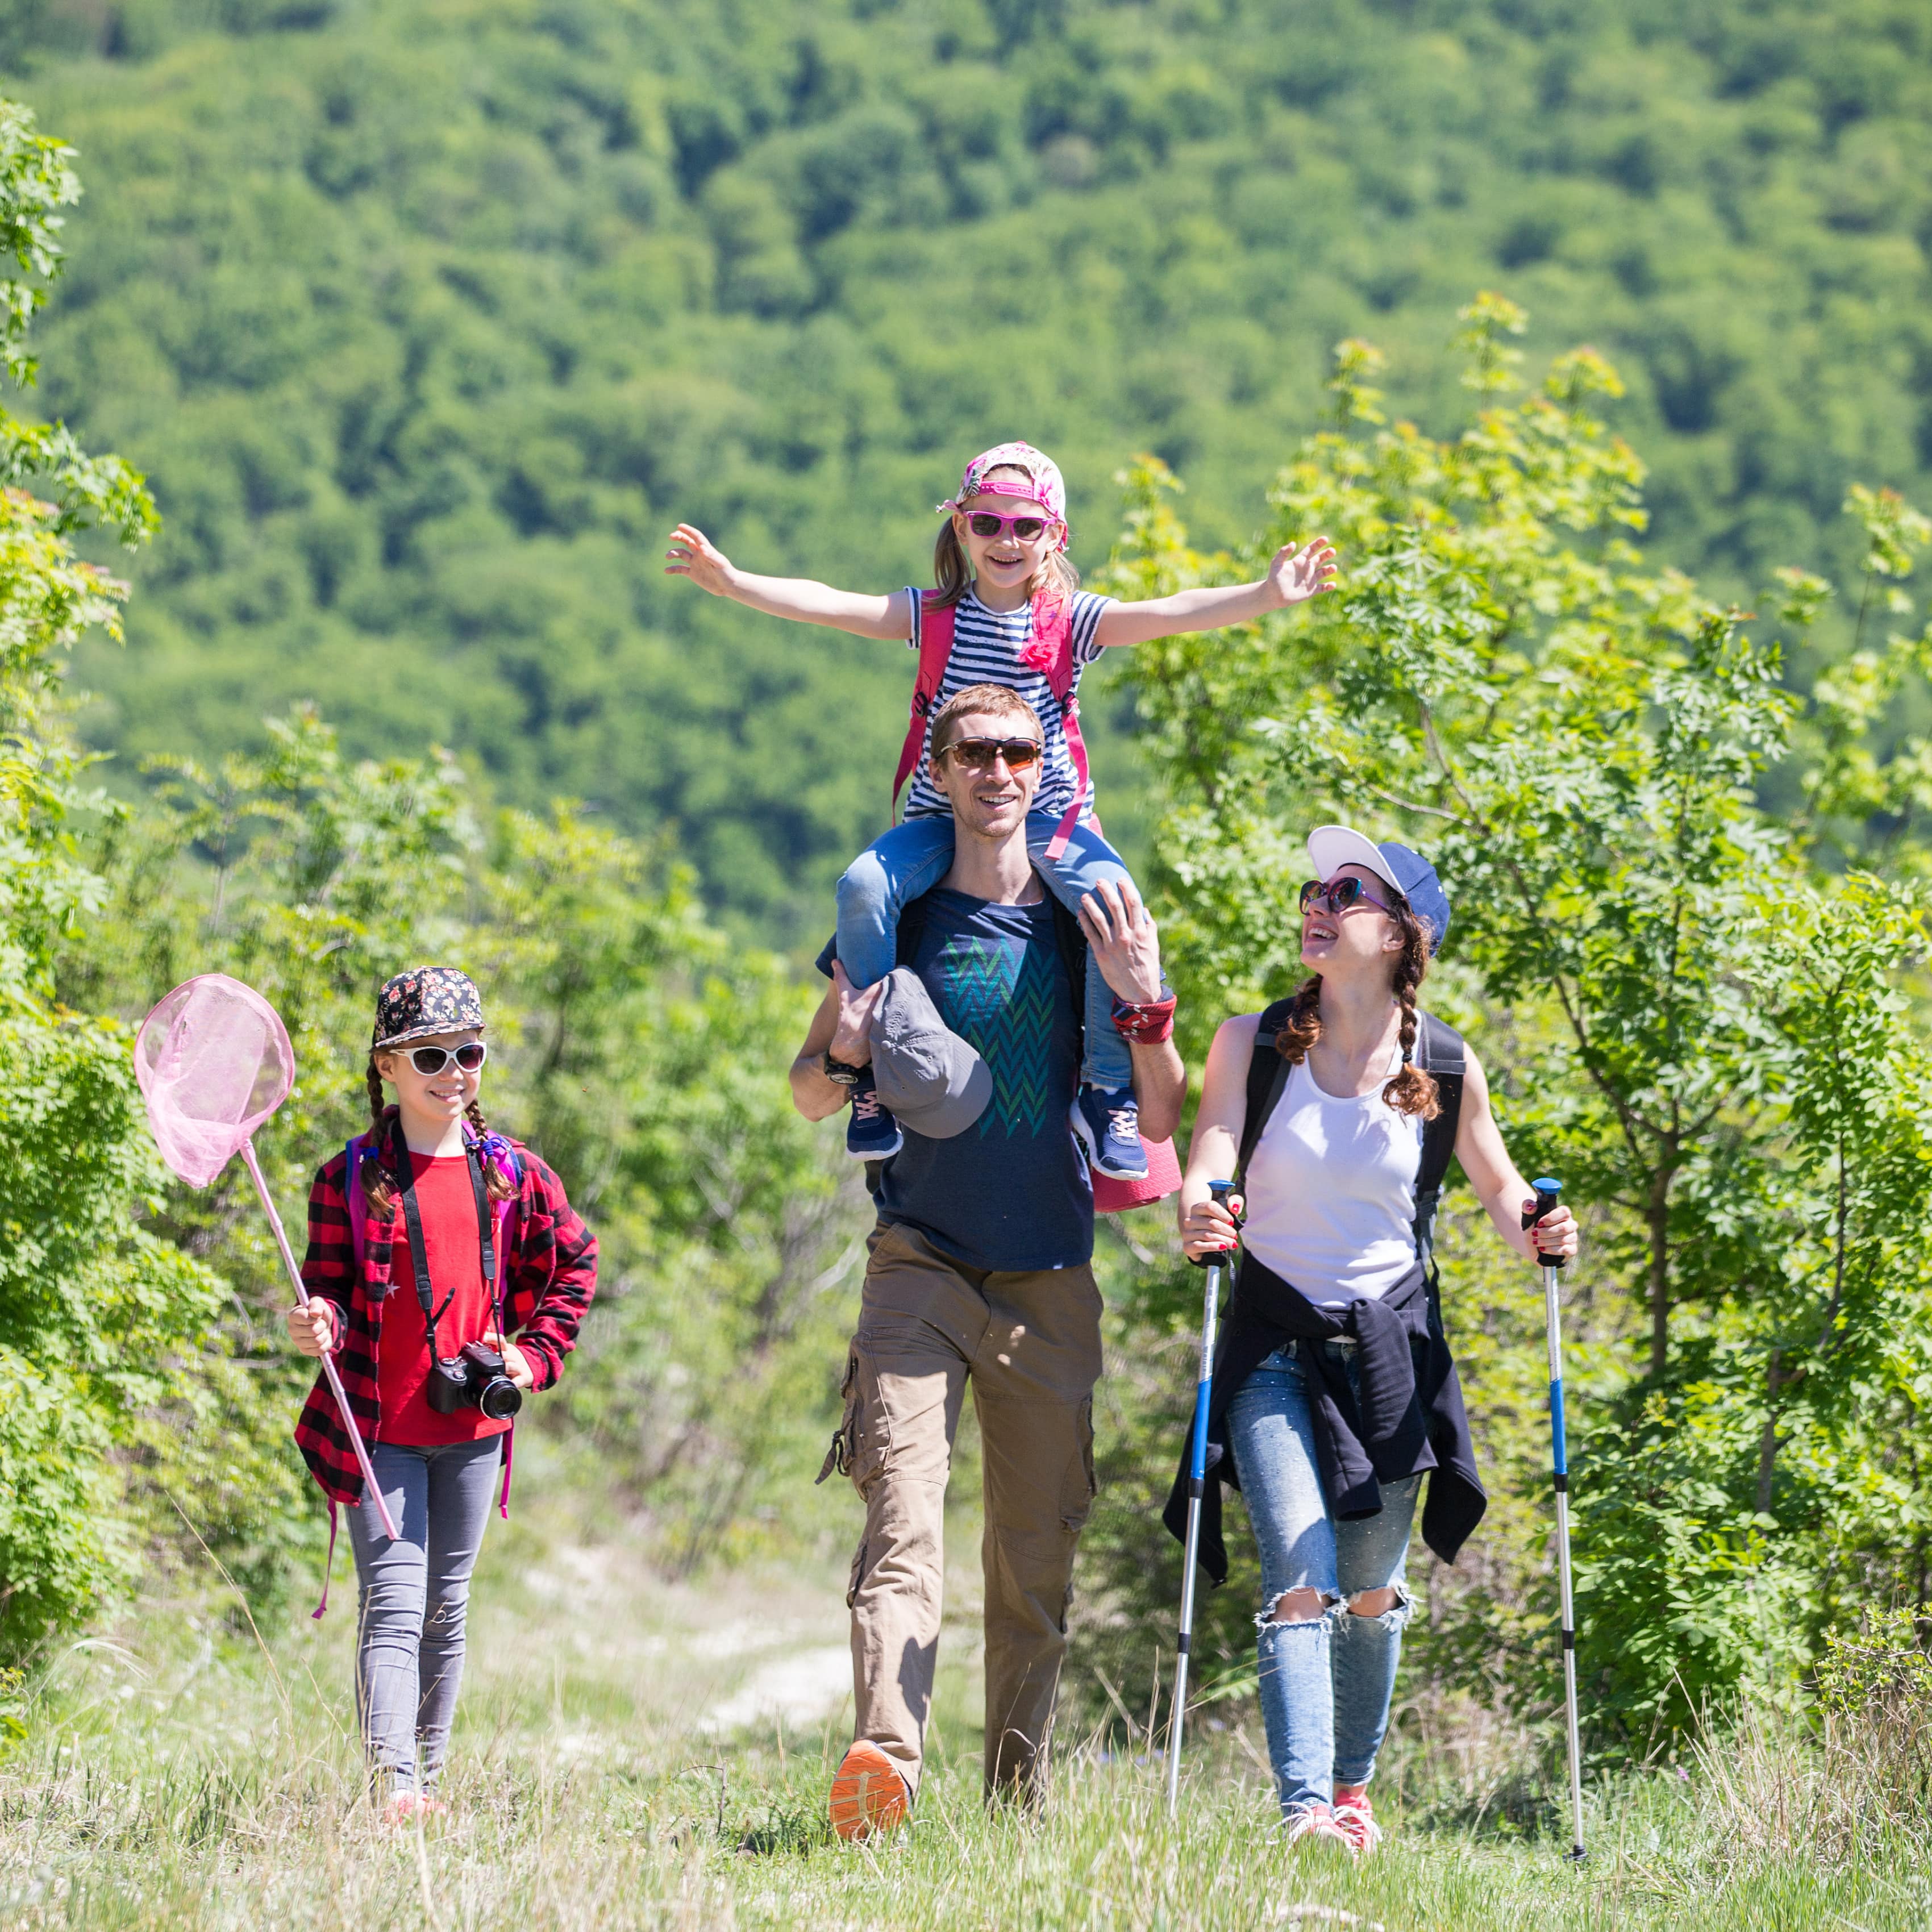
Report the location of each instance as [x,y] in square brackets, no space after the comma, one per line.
[551,1277]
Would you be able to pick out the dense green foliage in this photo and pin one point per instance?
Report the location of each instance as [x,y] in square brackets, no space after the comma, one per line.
[1714,1037]
[97,1317]
[147,1389]
[430,318]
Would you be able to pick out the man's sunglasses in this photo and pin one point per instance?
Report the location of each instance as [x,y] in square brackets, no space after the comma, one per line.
[977,754]
[429,1061]
[990,523]
[1338,895]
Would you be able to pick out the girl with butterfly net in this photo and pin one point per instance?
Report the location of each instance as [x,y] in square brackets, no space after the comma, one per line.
[447,1273]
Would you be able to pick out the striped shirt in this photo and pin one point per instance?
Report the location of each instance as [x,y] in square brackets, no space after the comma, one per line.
[986,648]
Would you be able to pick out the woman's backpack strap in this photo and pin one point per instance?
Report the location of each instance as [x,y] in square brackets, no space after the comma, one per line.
[1439,1051]
[1268,1080]
[935,652]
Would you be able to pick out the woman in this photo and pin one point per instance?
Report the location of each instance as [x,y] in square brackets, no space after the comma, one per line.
[430,1240]
[1334,1391]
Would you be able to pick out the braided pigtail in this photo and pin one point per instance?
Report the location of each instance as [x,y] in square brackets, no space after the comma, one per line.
[1411,1091]
[377,1188]
[1302,1027]
[496,1182]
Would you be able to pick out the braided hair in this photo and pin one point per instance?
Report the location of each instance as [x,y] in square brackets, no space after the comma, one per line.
[378,1184]
[1411,1090]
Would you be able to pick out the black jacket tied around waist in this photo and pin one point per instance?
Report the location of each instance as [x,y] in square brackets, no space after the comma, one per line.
[1409,1417]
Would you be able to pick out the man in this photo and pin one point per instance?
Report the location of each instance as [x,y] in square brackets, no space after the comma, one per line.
[979,1269]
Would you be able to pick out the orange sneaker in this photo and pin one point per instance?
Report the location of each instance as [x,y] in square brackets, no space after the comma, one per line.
[868,1796]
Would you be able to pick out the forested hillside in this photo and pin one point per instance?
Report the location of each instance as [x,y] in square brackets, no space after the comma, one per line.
[428,317]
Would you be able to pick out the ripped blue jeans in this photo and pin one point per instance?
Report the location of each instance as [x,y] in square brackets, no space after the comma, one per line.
[1325,1682]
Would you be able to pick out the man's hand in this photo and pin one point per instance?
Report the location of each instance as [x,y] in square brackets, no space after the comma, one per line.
[851,1038]
[312,1328]
[694,555]
[1299,572]
[1125,945]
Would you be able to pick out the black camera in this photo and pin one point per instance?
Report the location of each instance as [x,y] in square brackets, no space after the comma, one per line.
[473,1378]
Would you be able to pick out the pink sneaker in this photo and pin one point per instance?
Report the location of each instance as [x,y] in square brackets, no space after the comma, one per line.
[405,1805]
[1356,1818]
[1315,1824]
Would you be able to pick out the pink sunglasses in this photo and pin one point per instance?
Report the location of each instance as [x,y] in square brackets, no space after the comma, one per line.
[990,523]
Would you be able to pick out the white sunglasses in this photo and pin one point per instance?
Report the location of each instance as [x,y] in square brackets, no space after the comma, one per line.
[429,1061]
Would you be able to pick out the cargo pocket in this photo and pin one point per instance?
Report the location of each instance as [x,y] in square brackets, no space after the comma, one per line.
[858,1575]
[844,1438]
[1081,1484]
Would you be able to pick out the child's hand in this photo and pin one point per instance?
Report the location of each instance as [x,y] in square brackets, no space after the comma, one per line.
[1303,571]
[516,1363]
[694,555]
[312,1328]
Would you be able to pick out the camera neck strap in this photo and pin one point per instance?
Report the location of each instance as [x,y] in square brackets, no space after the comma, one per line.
[419,1253]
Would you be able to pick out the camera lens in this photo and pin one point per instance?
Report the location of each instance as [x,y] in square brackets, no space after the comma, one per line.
[499,1398]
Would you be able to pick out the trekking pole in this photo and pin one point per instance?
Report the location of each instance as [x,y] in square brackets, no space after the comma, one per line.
[1546,1193]
[1197,1481]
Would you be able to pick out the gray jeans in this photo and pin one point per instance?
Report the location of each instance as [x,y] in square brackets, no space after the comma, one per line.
[414,1597]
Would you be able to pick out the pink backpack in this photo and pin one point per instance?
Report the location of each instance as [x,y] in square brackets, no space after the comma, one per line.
[1049,652]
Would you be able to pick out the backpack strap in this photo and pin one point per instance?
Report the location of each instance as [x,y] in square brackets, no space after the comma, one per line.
[1268,1080]
[935,652]
[496,1152]
[1050,652]
[1439,1051]
[356,1197]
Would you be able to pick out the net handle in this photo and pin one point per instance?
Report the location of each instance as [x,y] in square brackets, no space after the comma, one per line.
[371,1487]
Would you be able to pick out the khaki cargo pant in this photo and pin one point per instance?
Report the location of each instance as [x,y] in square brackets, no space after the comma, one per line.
[1030,1346]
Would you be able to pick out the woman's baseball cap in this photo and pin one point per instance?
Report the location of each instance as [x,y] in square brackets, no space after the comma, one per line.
[1332,847]
[425,1000]
[1046,487]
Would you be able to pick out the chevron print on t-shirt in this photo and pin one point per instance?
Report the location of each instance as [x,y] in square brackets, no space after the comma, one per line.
[999,994]
[1012,1191]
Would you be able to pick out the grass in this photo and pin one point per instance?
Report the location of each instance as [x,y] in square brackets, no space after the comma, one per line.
[178,1775]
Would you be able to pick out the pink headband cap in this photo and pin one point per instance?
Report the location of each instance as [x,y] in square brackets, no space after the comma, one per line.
[1046,485]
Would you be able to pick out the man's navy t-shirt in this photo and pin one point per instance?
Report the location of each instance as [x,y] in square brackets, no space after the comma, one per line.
[1012,1193]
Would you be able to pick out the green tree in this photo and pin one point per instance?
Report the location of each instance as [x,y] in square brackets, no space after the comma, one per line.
[100,1320]
[1706,1034]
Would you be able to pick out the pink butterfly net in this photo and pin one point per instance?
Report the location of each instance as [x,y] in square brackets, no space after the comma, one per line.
[214,1063]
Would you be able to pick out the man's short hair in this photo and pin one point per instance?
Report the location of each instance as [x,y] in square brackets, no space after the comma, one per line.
[983,700]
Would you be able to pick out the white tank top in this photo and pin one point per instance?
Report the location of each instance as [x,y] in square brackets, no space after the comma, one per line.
[1331,1191]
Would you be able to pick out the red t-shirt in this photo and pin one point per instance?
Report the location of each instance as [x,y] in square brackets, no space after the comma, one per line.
[455,1257]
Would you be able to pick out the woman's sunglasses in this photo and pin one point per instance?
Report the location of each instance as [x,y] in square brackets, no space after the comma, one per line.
[1338,895]
[429,1061]
[989,523]
[977,754]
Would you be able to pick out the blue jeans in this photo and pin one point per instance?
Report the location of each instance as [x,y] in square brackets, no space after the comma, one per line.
[1326,1682]
[415,1598]
[912,858]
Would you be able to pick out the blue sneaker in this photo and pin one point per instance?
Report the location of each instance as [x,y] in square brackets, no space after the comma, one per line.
[871,1133]
[1107,1124]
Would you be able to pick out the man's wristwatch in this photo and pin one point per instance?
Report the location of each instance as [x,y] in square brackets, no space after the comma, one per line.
[838,1071]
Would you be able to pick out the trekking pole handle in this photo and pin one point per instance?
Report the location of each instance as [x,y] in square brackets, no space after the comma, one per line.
[1218,1191]
[1547,1192]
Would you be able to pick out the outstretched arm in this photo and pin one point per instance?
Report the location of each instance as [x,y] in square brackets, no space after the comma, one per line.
[1298,572]
[694,555]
